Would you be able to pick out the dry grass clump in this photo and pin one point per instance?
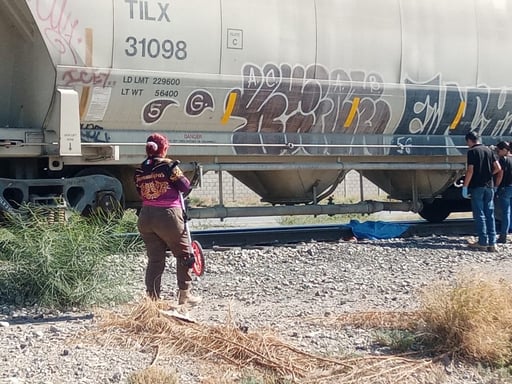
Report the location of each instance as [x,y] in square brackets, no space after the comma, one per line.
[153,375]
[472,318]
[227,345]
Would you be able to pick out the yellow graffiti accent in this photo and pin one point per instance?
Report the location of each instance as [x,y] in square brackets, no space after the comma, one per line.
[458,116]
[229,108]
[352,113]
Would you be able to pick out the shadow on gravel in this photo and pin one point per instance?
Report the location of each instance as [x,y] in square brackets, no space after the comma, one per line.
[43,319]
[423,243]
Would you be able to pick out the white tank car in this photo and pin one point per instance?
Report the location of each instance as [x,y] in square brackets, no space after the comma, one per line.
[286,95]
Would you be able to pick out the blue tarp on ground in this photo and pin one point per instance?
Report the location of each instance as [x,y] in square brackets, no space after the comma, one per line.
[377,229]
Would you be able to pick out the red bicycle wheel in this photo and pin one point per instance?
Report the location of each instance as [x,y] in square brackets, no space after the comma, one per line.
[198,267]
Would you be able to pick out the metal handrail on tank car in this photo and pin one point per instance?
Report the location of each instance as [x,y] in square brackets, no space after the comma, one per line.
[287,145]
[339,165]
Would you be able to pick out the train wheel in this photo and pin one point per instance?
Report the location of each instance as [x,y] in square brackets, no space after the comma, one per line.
[198,267]
[107,204]
[436,211]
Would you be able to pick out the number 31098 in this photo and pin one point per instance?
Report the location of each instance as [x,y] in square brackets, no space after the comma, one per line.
[154,48]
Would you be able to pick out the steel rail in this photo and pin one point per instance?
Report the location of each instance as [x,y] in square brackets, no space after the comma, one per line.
[281,235]
[246,237]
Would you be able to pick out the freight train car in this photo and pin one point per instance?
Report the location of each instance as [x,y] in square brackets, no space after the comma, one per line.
[285,95]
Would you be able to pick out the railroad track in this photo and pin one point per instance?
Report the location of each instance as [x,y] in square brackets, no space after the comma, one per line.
[244,237]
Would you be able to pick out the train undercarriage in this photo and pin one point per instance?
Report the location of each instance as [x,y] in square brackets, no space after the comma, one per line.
[109,189]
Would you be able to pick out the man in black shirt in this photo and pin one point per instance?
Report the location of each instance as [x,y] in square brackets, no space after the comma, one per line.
[504,184]
[482,165]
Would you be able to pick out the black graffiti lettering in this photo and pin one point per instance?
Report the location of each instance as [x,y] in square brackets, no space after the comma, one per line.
[291,85]
[339,114]
[434,108]
[311,94]
[342,95]
[271,127]
[279,103]
[499,112]
[382,115]
[322,76]
[367,112]
[453,96]
[93,133]
[325,107]
[477,101]
[337,92]
[311,105]
[90,126]
[422,112]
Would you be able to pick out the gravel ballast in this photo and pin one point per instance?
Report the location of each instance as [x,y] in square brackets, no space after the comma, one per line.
[288,289]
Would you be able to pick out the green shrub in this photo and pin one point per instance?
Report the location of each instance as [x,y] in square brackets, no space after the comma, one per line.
[397,340]
[71,263]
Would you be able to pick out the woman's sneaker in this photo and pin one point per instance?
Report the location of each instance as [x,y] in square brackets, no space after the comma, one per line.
[502,239]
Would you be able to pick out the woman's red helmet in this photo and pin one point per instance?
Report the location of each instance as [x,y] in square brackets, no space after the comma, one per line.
[157,145]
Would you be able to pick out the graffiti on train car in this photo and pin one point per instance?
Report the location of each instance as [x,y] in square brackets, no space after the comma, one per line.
[432,108]
[280,103]
[93,133]
[59,26]
[287,100]
[87,76]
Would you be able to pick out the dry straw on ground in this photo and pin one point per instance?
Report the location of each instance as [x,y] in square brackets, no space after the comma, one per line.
[153,375]
[471,319]
[145,326]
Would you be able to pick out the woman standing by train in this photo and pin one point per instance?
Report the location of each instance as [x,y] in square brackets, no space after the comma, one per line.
[159,182]
[505,189]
